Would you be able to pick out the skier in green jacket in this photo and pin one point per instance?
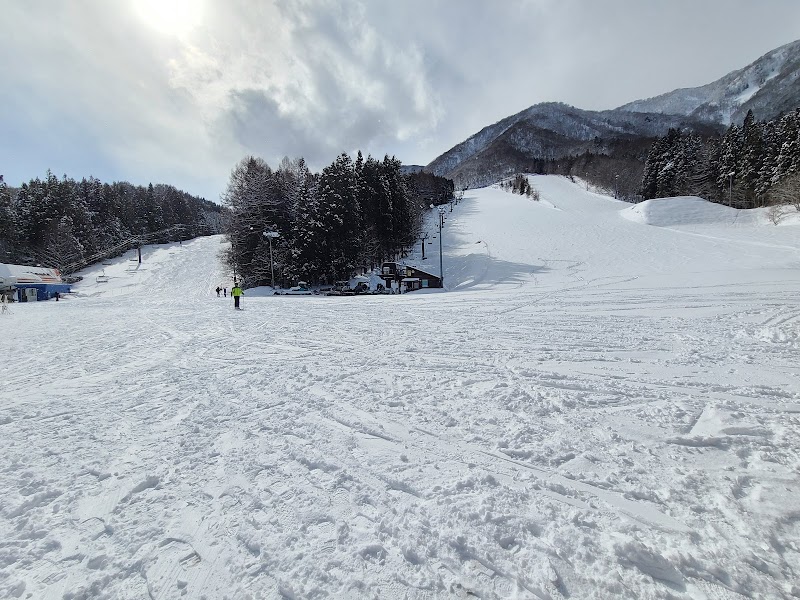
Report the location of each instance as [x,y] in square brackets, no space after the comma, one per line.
[236,291]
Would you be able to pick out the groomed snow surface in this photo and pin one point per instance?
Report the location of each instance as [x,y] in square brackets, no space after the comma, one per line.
[605,403]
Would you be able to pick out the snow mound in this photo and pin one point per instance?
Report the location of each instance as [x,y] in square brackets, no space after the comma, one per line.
[689,210]
[787,334]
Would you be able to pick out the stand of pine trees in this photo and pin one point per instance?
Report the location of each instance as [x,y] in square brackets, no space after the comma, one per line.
[60,222]
[520,185]
[353,214]
[751,165]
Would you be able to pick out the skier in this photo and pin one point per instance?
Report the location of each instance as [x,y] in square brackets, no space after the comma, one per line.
[225,292]
[236,291]
[219,289]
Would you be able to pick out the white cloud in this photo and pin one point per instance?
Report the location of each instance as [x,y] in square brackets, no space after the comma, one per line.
[178,90]
[326,78]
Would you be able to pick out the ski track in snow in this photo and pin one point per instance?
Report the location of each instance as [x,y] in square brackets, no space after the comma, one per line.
[596,409]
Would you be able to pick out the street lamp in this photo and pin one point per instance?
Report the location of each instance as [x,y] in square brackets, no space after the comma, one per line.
[730,187]
[269,235]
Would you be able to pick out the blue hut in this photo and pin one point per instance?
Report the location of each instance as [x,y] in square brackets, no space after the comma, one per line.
[31,283]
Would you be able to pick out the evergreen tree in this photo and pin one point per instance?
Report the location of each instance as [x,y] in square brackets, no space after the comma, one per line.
[769,161]
[376,205]
[730,151]
[306,261]
[153,210]
[403,226]
[652,167]
[750,159]
[340,217]
[788,159]
[7,226]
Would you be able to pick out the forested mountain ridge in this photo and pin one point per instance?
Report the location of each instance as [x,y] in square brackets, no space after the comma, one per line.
[548,132]
[610,147]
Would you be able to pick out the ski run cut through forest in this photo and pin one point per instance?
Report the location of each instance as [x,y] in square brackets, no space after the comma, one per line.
[604,402]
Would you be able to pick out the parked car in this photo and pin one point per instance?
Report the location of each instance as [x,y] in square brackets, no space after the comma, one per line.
[301,289]
[341,288]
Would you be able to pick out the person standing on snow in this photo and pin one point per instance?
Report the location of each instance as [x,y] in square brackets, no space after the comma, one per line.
[236,291]
[219,289]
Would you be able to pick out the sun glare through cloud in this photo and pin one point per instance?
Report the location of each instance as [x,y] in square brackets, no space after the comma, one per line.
[170,17]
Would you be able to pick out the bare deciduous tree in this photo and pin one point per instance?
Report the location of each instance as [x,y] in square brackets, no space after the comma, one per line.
[786,192]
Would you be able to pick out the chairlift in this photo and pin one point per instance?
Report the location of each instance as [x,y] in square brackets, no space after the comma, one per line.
[102,278]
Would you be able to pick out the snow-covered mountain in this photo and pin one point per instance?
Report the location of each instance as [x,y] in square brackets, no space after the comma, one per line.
[407,169]
[768,86]
[551,131]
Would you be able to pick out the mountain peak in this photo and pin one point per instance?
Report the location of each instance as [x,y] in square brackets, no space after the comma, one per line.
[767,86]
[537,138]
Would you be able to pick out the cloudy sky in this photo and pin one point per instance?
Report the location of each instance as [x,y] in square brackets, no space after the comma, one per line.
[178,91]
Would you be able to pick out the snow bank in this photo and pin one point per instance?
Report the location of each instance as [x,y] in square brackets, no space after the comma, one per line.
[690,210]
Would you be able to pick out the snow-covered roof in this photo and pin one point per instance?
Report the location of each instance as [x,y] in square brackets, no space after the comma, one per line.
[424,272]
[26,274]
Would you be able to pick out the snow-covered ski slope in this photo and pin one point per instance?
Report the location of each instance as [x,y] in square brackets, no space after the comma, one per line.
[605,404]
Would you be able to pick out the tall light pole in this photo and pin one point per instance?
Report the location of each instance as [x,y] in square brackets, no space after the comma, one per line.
[441,224]
[730,188]
[269,235]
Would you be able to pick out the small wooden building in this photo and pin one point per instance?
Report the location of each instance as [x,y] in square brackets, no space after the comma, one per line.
[420,279]
[408,278]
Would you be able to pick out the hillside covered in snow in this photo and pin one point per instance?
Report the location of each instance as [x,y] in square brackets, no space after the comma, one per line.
[550,131]
[768,86]
[610,147]
[603,403]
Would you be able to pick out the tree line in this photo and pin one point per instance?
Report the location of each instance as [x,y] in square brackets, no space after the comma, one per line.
[323,226]
[753,164]
[62,223]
